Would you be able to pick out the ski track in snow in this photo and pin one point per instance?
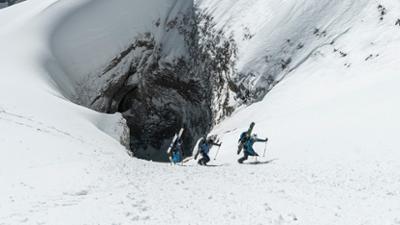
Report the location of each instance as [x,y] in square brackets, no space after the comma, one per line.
[32,124]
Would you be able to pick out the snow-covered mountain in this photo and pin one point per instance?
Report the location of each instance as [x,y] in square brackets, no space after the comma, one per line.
[6,3]
[87,83]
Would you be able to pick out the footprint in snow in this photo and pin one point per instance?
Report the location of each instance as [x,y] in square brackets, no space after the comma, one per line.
[24,220]
[292,216]
[82,192]
[280,220]
[137,218]
[267,207]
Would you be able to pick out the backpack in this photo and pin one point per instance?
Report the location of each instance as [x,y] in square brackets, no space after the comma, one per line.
[243,138]
[203,146]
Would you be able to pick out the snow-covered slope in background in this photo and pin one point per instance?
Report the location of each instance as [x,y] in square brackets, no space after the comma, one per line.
[348,54]
[274,38]
[79,35]
[332,122]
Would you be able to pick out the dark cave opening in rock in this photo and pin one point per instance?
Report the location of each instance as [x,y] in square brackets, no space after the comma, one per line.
[159,91]
[156,111]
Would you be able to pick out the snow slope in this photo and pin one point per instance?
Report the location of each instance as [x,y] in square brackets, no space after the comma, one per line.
[275,37]
[342,88]
[78,36]
[332,122]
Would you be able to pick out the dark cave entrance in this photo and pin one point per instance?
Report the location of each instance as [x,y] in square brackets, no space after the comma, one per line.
[156,109]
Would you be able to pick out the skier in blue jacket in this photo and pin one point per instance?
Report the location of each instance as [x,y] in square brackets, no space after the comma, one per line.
[204,146]
[248,143]
[177,152]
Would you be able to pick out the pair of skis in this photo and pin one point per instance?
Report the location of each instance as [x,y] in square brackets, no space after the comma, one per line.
[177,137]
[247,135]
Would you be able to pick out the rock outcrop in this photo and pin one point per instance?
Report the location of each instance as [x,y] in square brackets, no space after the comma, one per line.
[158,91]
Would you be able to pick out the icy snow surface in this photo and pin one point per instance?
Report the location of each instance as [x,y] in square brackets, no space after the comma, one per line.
[333,122]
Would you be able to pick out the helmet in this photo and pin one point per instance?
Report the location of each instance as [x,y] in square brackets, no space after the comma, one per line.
[212,138]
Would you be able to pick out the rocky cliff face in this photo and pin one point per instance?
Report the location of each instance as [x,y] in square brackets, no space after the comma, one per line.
[6,3]
[158,92]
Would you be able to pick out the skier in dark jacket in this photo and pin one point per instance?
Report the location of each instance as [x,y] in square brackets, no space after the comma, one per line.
[204,147]
[244,136]
[248,143]
[177,152]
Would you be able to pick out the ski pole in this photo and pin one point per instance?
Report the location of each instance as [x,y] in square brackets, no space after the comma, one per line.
[265,149]
[215,158]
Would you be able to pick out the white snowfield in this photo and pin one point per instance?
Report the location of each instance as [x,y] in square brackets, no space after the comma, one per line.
[333,123]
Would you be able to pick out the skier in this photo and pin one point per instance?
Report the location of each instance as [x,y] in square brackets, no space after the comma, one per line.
[174,151]
[244,136]
[248,145]
[204,147]
[177,153]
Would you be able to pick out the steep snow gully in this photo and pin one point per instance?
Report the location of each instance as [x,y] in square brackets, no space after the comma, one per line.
[173,72]
[168,64]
